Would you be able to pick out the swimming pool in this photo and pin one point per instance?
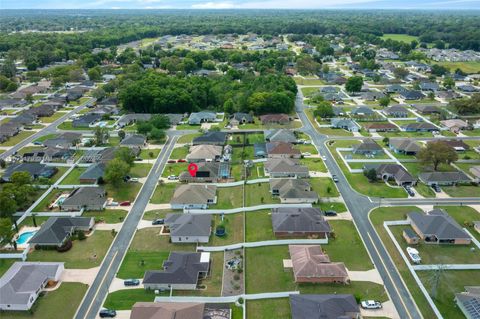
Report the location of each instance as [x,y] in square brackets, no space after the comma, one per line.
[23,238]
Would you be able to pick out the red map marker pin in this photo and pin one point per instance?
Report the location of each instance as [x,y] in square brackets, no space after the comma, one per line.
[192,169]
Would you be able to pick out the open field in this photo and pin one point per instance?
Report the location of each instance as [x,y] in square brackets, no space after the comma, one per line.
[399,37]
[467,67]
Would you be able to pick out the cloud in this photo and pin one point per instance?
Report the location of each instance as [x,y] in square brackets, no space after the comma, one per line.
[214,5]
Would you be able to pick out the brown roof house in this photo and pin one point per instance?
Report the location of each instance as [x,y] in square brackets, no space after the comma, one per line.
[181,271]
[438,227]
[207,172]
[381,127]
[202,153]
[293,191]
[282,150]
[275,119]
[367,147]
[455,125]
[311,265]
[395,172]
[299,222]
[285,167]
[194,196]
[180,310]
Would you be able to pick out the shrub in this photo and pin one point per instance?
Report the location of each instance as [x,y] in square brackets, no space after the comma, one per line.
[81,235]
[65,247]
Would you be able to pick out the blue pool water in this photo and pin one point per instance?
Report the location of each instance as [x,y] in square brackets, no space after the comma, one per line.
[24,237]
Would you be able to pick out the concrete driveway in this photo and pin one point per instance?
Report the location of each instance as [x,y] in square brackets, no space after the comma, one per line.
[85,276]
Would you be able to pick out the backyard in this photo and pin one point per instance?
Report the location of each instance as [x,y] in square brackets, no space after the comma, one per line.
[229,197]
[259,194]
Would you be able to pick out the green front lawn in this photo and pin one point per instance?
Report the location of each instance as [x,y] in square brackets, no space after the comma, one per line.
[179,152]
[174,169]
[14,140]
[68,126]
[324,187]
[61,170]
[314,164]
[347,246]
[229,197]
[399,37]
[125,299]
[109,216]
[163,193]
[86,253]
[123,192]
[149,154]
[188,138]
[57,304]
[462,190]
[5,265]
[259,194]
[136,263]
[140,170]
[53,118]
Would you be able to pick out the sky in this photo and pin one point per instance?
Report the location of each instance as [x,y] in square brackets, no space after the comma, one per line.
[241,4]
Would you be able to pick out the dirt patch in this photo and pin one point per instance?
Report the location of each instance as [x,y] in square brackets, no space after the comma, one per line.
[233,275]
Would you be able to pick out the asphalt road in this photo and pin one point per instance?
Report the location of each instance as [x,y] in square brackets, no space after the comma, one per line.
[50,129]
[98,291]
[359,206]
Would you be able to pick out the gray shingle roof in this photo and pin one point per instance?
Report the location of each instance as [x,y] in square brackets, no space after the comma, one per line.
[439,223]
[56,229]
[292,219]
[94,171]
[193,194]
[322,306]
[454,177]
[212,137]
[189,224]
[85,196]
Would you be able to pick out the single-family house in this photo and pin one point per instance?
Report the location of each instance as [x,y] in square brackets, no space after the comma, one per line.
[211,138]
[457,145]
[189,228]
[282,150]
[92,174]
[180,310]
[280,118]
[181,271]
[194,196]
[201,117]
[86,120]
[64,140]
[281,135]
[412,95]
[455,125]
[397,111]
[202,153]
[346,124]
[57,230]
[86,198]
[311,265]
[334,306]
[367,147]
[35,170]
[427,109]
[362,111]
[207,172]
[293,191]
[372,95]
[299,222]
[285,167]
[240,118]
[469,302]
[395,172]
[395,88]
[437,227]
[419,127]
[429,86]
[10,129]
[444,178]
[134,141]
[23,282]
[404,146]
[381,127]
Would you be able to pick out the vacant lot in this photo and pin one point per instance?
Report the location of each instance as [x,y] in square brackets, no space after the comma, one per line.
[399,37]
[467,67]
[163,193]
[278,308]
[259,194]
[324,187]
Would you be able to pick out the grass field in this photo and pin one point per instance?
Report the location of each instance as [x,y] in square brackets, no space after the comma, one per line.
[258,226]
[278,308]
[399,37]
[467,67]
[163,193]
[324,187]
[234,229]
[74,177]
[259,194]
[86,253]
[109,216]
[140,170]
[17,138]
[229,197]
[57,304]
[123,192]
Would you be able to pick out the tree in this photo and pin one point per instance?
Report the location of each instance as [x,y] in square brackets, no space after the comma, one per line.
[324,110]
[354,84]
[307,65]
[6,231]
[384,101]
[121,134]
[157,134]
[21,178]
[439,70]
[29,98]
[467,106]
[115,171]
[99,93]
[400,73]
[143,128]
[449,83]
[125,155]
[436,153]
[160,121]
[371,175]
[431,96]
[3,164]
[8,205]
[101,135]
[94,74]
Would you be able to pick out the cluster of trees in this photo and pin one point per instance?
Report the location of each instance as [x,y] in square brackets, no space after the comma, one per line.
[437,153]
[155,128]
[467,106]
[105,29]
[159,93]
[118,168]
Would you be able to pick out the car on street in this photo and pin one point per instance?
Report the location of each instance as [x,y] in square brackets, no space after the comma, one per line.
[107,313]
[330,213]
[158,221]
[324,157]
[125,203]
[172,177]
[371,304]
[131,282]
[335,178]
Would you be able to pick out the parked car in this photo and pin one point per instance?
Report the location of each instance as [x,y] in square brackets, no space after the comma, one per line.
[133,179]
[371,304]
[181,161]
[171,161]
[125,203]
[131,282]
[436,188]
[330,213]
[172,177]
[37,143]
[158,221]
[307,154]
[107,313]
[409,191]
[335,178]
